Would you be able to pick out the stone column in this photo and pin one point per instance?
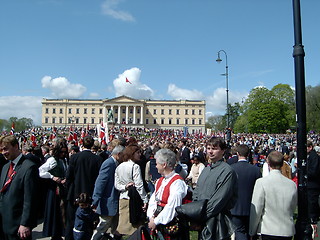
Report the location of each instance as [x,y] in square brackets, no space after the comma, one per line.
[119,108]
[134,115]
[127,114]
[104,114]
[141,112]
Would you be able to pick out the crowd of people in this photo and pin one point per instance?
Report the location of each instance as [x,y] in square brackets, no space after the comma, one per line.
[89,189]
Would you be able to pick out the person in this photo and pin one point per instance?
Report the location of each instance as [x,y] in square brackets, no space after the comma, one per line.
[82,173]
[247,176]
[184,153]
[45,152]
[273,203]
[313,183]
[54,170]
[196,169]
[84,219]
[169,192]
[151,174]
[234,156]
[128,174]
[19,191]
[105,196]
[286,168]
[218,184]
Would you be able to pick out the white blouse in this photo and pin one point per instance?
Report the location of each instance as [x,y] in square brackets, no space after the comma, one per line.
[178,190]
[128,172]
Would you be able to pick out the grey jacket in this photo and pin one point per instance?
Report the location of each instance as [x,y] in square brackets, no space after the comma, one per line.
[218,184]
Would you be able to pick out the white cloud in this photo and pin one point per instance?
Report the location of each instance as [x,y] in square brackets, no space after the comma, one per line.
[94,95]
[109,8]
[216,104]
[62,88]
[134,88]
[179,93]
[21,107]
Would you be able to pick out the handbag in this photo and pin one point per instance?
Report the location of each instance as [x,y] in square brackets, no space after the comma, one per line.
[172,228]
[136,213]
[193,211]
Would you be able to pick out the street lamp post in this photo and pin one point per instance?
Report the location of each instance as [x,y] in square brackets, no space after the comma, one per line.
[227,81]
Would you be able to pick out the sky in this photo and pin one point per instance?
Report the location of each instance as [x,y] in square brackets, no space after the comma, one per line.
[85,49]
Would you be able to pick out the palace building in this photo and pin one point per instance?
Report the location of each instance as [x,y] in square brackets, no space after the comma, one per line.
[125,111]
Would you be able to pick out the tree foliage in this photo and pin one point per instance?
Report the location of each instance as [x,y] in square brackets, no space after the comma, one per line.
[313,108]
[20,124]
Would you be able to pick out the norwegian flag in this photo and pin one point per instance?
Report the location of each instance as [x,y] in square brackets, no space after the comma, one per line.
[87,130]
[33,138]
[12,129]
[102,134]
[83,134]
[75,136]
[70,137]
[127,81]
[53,133]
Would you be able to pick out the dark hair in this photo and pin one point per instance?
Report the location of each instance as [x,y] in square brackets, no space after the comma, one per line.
[217,141]
[129,151]
[75,148]
[184,141]
[84,198]
[57,149]
[309,143]
[200,157]
[243,150]
[88,141]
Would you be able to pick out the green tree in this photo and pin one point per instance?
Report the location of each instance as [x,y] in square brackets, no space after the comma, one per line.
[234,113]
[286,94]
[313,107]
[216,122]
[264,112]
[20,124]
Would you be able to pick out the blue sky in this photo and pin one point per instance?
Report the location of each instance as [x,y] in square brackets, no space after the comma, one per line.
[167,49]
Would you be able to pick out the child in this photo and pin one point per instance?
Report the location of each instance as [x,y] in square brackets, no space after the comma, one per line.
[85,218]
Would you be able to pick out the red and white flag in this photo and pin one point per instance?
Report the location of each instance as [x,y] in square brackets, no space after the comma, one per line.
[102,134]
[128,81]
[70,137]
[12,129]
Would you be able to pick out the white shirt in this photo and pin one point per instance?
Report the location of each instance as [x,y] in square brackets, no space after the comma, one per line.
[128,172]
[50,164]
[178,190]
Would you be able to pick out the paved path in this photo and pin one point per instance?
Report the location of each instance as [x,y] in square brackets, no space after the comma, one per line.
[37,233]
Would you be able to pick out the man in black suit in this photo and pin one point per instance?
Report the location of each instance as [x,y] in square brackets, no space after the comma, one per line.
[80,178]
[247,176]
[184,153]
[313,183]
[18,194]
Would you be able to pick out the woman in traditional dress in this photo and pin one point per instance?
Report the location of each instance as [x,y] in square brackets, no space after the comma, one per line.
[54,170]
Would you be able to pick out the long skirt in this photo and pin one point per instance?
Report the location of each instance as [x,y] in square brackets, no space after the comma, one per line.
[53,224]
[124,226]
